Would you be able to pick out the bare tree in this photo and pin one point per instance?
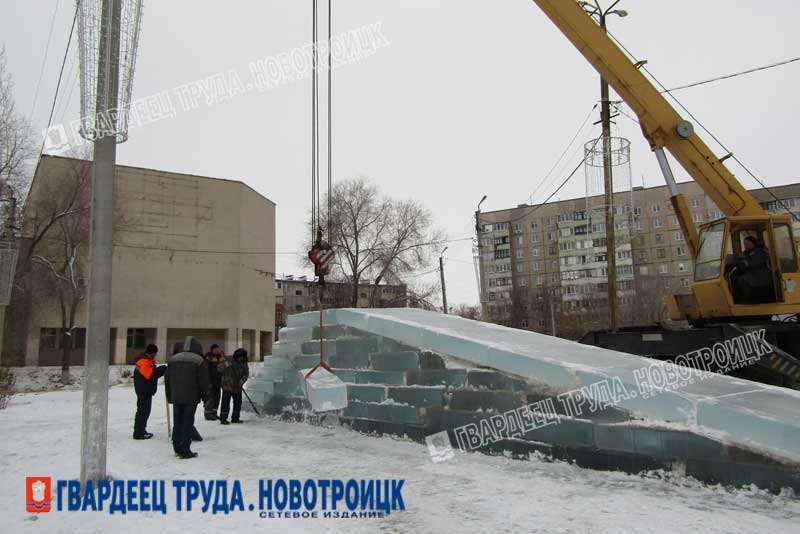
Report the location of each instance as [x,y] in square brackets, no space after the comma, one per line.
[16,144]
[468,311]
[58,248]
[424,296]
[376,238]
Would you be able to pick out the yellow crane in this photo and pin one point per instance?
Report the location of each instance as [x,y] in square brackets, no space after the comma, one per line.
[714,245]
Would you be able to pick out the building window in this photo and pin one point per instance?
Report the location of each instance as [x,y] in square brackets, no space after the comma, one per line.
[680,251]
[520,267]
[535,225]
[520,240]
[278,285]
[524,323]
[642,255]
[550,236]
[663,268]
[656,208]
[696,217]
[540,280]
[518,228]
[661,253]
[551,250]
[541,323]
[685,282]
[523,282]
[637,211]
[535,252]
[535,238]
[659,238]
[298,292]
[51,338]
[695,202]
[656,223]
[673,221]
[136,339]
[520,254]
[681,267]
[536,266]
[678,236]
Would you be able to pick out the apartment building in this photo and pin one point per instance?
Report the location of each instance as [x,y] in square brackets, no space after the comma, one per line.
[545,267]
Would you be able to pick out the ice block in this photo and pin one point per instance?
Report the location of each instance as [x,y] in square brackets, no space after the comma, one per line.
[324,390]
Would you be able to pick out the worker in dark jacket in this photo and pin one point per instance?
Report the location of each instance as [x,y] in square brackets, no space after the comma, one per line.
[187,384]
[145,383]
[213,358]
[753,276]
[234,374]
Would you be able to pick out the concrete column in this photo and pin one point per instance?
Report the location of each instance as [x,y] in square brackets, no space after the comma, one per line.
[120,345]
[232,340]
[164,350]
[256,356]
[32,347]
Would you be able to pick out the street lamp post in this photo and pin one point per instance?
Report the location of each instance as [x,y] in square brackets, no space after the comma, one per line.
[441,273]
[608,180]
[479,269]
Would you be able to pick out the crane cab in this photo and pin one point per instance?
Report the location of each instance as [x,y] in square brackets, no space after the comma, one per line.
[730,283]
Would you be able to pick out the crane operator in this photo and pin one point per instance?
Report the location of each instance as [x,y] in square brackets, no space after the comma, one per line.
[752,277]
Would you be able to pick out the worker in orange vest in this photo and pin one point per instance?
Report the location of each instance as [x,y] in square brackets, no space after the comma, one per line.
[145,383]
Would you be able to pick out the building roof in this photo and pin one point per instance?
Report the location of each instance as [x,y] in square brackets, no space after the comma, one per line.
[145,169]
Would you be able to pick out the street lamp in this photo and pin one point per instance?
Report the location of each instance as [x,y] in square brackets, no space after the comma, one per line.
[594,10]
[441,273]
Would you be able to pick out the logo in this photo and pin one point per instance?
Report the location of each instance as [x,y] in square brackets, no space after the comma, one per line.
[37,494]
[55,138]
[439,446]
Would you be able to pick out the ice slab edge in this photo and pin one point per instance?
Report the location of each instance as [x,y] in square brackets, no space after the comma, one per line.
[747,414]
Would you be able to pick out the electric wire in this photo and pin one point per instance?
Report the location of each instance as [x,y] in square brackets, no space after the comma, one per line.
[44,61]
[60,75]
[733,75]
[580,129]
[567,179]
[714,137]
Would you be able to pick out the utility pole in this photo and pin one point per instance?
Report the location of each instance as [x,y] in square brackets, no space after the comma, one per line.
[479,267]
[441,274]
[553,318]
[95,389]
[608,180]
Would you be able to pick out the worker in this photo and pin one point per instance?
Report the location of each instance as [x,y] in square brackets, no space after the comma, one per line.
[145,383]
[752,279]
[213,359]
[187,384]
[234,374]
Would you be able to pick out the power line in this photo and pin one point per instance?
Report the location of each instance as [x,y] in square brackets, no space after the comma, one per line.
[567,179]
[733,75]
[60,74]
[44,62]
[264,252]
[583,124]
[695,119]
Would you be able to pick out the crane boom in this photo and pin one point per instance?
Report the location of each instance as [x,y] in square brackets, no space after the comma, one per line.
[661,124]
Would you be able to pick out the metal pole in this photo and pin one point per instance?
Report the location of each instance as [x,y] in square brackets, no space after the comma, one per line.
[2,330]
[608,181]
[95,389]
[444,291]
[553,318]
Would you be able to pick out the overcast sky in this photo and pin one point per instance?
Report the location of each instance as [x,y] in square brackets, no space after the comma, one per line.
[468,98]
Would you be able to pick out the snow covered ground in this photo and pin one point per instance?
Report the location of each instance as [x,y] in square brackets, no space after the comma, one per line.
[470,493]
